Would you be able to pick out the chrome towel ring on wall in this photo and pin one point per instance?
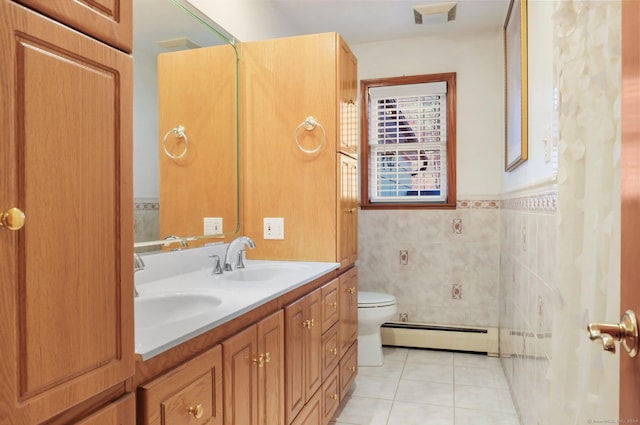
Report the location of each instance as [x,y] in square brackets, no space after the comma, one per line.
[180,133]
[310,123]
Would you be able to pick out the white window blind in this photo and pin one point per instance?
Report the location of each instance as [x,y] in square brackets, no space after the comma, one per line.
[408,143]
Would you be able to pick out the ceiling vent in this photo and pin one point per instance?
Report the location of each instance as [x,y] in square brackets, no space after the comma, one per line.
[435,13]
[180,43]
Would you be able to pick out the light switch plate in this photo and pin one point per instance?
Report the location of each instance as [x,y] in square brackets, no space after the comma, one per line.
[274,228]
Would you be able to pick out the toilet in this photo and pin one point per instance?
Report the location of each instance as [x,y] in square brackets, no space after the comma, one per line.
[374,308]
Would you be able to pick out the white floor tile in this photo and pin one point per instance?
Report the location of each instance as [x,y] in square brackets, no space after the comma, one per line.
[363,411]
[429,387]
[375,387]
[483,398]
[425,392]
[483,417]
[429,372]
[420,414]
[490,377]
[430,357]
[390,369]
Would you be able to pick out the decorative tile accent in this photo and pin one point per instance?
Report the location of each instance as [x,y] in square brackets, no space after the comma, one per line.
[404,257]
[146,206]
[546,201]
[457,226]
[456,291]
[492,204]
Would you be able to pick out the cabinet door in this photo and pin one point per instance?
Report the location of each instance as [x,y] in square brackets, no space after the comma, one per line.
[313,343]
[271,375]
[120,412]
[348,369]
[66,304]
[312,412]
[347,214]
[330,308]
[190,394]
[348,309]
[303,345]
[110,21]
[295,329]
[240,360]
[347,96]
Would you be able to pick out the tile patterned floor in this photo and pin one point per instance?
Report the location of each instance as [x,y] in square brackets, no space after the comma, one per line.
[425,387]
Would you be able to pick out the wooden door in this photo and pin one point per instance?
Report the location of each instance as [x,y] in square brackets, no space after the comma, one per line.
[110,21]
[240,365]
[66,304]
[312,412]
[271,375]
[347,243]
[630,267]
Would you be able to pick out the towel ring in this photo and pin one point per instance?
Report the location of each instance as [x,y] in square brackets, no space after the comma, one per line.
[180,133]
[309,124]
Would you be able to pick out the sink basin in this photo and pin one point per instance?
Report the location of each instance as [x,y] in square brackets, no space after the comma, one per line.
[266,272]
[161,309]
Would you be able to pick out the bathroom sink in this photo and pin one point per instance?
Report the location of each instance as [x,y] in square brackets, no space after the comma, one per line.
[161,309]
[264,272]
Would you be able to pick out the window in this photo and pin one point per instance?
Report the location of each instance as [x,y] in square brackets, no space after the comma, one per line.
[408,154]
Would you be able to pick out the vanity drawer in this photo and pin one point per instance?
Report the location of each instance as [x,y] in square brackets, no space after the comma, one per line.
[190,394]
[348,369]
[330,351]
[119,412]
[330,307]
[330,395]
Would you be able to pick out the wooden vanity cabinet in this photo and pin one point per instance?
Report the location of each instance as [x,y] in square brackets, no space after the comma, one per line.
[189,394]
[348,309]
[66,303]
[253,362]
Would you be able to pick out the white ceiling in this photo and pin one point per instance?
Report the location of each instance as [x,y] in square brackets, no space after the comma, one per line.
[363,21]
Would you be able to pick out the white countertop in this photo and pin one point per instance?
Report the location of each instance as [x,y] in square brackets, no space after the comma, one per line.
[235,298]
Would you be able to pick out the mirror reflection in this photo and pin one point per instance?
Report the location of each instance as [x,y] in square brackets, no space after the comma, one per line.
[186,170]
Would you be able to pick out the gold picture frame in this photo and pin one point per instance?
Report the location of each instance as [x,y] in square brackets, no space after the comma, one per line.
[515,77]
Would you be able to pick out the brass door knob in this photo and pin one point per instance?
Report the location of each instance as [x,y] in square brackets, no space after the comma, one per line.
[197,411]
[626,332]
[12,219]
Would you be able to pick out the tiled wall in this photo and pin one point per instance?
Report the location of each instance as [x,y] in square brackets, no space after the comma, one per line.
[146,219]
[527,285]
[451,277]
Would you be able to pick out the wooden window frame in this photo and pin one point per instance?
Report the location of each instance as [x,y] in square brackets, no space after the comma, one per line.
[365,85]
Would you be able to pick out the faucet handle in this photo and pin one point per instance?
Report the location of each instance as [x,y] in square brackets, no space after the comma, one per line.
[241,256]
[217,269]
[138,264]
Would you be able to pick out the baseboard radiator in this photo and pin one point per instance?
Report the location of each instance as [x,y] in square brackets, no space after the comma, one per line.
[455,338]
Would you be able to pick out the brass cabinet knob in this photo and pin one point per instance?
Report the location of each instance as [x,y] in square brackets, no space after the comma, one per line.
[259,360]
[12,219]
[352,368]
[333,396]
[333,305]
[333,351]
[267,357]
[351,290]
[626,332]
[197,411]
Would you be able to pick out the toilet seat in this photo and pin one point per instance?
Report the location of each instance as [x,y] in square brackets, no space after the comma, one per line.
[375,299]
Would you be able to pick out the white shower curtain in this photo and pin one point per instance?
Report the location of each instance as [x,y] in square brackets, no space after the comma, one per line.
[584,379]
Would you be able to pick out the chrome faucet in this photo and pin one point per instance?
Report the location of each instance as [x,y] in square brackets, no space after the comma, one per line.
[138,265]
[183,243]
[244,240]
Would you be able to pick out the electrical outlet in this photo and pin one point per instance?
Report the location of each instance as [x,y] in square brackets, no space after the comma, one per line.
[274,228]
[213,225]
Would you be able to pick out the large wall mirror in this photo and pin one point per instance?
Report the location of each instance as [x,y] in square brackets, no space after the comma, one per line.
[186,144]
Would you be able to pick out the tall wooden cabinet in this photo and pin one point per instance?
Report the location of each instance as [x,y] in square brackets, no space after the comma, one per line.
[285,81]
[66,305]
